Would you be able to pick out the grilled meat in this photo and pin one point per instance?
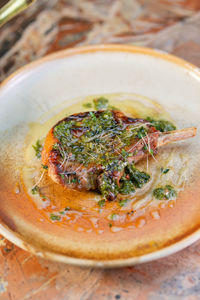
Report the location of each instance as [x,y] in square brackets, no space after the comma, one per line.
[98,150]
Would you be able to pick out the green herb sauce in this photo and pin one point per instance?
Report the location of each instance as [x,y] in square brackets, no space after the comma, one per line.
[164,171]
[101,203]
[101,103]
[164,193]
[102,135]
[44,167]
[161,125]
[123,203]
[54,217]
[94,140]
[87,105]
[35,190]
[38,148]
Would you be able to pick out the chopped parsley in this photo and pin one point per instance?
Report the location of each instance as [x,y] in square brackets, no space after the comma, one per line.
[164,171]
[99,135]
[125,154]
[62,176]
[101,203]
[127,187]
[107,186]
[101,103]
[151,151]
[142,132]
[87,105]
[54,217]
[44,167]
[164,193]
[123,202]
[94,136]
[138,178]
[74,180]
[38,148]
[92,114]
[35,190]
[161,125]
[113,217]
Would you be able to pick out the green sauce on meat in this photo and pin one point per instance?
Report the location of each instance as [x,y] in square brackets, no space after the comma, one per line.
[161,125]
[102,139]
[96,138]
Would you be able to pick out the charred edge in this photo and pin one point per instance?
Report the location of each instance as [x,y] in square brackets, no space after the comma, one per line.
[119,116]
[77,117]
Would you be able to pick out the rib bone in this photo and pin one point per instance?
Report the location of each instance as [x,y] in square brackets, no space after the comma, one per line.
[176,135]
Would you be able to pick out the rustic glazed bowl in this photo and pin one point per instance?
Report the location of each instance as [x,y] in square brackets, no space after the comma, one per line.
[103,69]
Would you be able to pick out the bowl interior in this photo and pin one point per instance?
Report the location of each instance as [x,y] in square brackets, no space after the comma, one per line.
[46,87]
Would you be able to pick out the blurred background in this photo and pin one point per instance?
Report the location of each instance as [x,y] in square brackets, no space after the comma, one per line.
[48,26]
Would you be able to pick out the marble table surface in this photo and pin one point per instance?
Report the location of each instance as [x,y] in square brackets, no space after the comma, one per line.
[48,26]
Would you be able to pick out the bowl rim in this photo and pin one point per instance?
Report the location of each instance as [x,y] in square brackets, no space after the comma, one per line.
[106,48]
[16,239]
[165,251]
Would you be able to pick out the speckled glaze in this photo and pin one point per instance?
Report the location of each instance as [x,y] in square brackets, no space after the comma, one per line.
[37,88]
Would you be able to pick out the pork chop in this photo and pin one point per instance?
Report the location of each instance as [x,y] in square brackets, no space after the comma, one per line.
[98,150]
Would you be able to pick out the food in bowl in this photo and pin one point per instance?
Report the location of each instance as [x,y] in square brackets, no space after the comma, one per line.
[98,150]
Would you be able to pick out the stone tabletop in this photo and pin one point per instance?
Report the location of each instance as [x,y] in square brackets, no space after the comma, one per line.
[48,26]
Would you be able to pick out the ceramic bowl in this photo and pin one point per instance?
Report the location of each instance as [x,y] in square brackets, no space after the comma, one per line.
[43,86]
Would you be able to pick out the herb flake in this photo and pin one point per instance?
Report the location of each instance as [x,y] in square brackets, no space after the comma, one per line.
[101,203]
[123,202]
[38,148]
[100,103]
[35,190]
[161,125]
[44,167]
[54,217]
[114,217]
[87,105]
[164,171]
[165,193]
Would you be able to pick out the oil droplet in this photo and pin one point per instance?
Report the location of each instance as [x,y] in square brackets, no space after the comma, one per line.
[155,215]
[80,229]
[162,205]
[116,229]
[17,189]
[171,204]
[140,222]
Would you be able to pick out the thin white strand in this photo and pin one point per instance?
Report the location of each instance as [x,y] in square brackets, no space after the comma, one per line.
[38,180]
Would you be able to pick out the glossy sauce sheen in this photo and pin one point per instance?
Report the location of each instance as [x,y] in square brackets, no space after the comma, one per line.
[79,210]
